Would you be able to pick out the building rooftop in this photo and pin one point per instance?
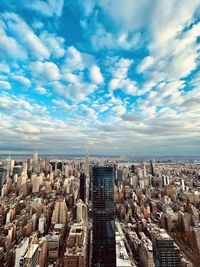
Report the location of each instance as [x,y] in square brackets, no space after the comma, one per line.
[31,251]
[122,258]
[77,240]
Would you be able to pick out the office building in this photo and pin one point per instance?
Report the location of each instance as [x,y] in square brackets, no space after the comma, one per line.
[82,190]
[165,180]
[87,165]
[3,175]
[103,217]
[166,253]
[152,171]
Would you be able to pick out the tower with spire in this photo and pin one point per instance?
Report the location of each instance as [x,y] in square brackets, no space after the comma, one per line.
[35,155]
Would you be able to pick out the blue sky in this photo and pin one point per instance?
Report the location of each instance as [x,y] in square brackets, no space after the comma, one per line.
[108,76]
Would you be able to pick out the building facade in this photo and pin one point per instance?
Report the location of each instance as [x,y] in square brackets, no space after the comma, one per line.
[103,216]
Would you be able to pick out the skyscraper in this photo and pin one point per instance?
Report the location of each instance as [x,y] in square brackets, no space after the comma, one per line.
[103,216]
[87,176]
[152,168]
[82,187]
[165,251]
[60,212]
[35,155]
[3,174]
[87,164]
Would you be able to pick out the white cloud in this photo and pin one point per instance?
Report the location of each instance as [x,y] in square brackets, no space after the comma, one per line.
[119,109]
[101,107]
[25,128]
[145,64]
[71,78]
[5,85]
[126,85]
[171,41]
[103,39]
[54,43]
[95,75]
[4,68]
[76,92]
[48,8]
[88,112]
[9,48]
[73,59]
[61,104]
[121,67]
[37,24]
[76,68]
[129,117]
[165,119]
[41,90]
[46,71]
[87,131]
[22,80]
[25,36]
[120,79]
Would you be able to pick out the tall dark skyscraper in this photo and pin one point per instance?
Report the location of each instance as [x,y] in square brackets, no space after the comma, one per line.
[152,168]
[82,187]
[103,216]
[165,251]
[3,173]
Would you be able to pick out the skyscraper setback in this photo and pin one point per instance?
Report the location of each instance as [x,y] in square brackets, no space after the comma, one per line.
[103,215]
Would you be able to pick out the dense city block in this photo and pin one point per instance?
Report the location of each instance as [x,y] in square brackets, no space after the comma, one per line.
[83,211]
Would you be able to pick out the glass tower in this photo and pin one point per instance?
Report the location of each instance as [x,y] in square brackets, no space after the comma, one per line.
[103,216]
[166,253]
[82,187]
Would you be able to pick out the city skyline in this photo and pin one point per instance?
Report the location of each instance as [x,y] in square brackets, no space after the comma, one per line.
[85,212]
[111,77]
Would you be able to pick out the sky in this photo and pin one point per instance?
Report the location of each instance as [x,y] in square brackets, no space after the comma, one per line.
[108,76]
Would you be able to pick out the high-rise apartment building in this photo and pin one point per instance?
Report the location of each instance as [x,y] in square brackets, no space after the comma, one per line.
[20,252]
[60,212]
[103,217]
[81,211]
[76,249]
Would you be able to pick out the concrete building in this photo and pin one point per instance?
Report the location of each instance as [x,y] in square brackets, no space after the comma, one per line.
[146,253]
[76,251]
[81,215]
[60,212]
[31,258]
[122,258]
[20,252]
[42,224]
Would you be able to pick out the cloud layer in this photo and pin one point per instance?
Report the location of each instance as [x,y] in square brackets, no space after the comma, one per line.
[113,77]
